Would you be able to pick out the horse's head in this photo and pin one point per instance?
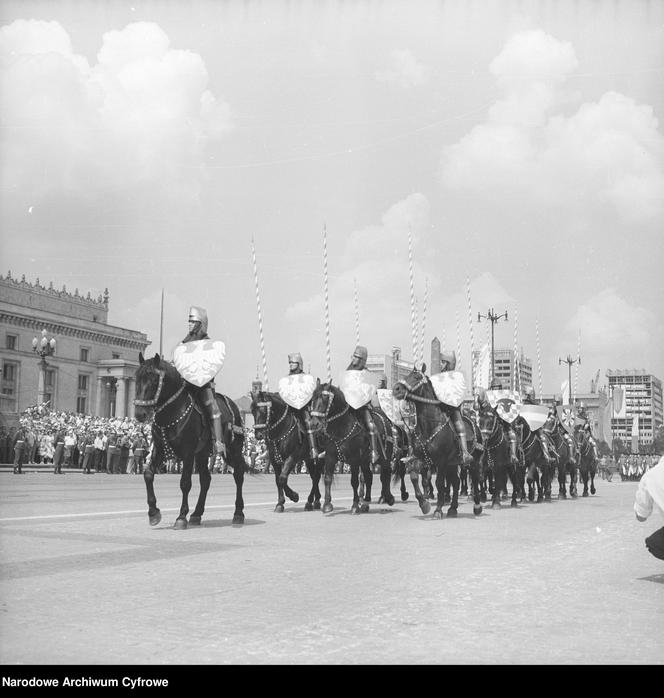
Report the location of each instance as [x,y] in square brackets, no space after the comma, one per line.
[549,424]
[487,421]
[415,383]
[260,410]
[320,405]
[149,385]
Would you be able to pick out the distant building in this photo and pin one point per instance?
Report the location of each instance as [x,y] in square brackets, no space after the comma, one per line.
[392,366]
[504,369]
[93,367]
[635,392]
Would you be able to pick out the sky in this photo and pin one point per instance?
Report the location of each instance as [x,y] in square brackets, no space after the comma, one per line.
[397,167]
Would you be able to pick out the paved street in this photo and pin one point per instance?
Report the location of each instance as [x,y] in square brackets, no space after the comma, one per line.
[85,580]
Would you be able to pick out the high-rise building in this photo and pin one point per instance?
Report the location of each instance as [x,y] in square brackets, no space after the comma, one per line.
[636,394]
[92,368]
[504,369]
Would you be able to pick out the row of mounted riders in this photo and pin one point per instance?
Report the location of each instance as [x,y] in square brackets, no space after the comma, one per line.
[429,452]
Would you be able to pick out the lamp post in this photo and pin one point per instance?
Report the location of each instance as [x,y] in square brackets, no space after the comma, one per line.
[42,347]
[570,362]
[493,318]
[111,386]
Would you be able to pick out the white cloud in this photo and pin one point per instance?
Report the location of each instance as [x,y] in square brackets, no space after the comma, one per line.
[404,70]
[609,152]
[141,115]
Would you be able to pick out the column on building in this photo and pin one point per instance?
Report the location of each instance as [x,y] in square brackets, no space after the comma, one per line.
[100,391]
[121,398]
[131,395]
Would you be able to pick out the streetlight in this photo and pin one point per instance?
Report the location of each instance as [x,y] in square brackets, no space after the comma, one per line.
[111,386]
[570,362]
[42,347]
[491,315]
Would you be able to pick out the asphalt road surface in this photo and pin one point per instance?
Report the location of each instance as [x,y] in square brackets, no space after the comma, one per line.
[86,580]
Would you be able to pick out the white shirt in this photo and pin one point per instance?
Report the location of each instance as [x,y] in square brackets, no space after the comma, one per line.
[650,492]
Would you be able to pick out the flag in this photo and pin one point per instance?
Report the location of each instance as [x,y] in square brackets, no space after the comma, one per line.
[619,402]
[635,434]
[564,389]
[604,414]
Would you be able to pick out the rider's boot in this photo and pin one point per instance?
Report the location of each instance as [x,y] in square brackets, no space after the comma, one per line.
[311,436]
[512,441]
[545,449]
[218,445]
[460,429]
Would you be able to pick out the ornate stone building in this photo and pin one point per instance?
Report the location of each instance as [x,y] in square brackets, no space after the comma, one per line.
[92,368]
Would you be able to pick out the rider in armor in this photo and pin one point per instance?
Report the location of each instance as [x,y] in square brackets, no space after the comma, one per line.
[448,363]
[553,414]
[587,429]
[198,323]
[508,428]
[296,366]
[358,363]
[529,399]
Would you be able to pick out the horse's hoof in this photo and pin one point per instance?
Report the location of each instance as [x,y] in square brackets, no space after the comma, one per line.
[477,509]
[531,496]
[539,498]
[496,504]
[438,514]
[238,519]
[294,497]
[317,505]
[452,513]
[155,518]
[381,499]
[405,495]
[279,509]
[180,524]
[194,520]
[585,493]
[308,506]
[389,501]
[513,504]
[364,508]
[327,508]
[425,507]
[562,495]
[355,509]
[592,490]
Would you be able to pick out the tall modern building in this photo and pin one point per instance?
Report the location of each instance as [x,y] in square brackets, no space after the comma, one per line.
[392,366]
[636,394]
[92,368]
[505,364]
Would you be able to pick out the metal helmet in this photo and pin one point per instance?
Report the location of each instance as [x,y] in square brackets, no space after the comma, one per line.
[361,354]
[296,359]
[197,314]
[449,357]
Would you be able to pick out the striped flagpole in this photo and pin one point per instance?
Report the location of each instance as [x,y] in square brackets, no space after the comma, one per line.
[472,341]
[576,368]
[539,361]
[260,316]
[416,357]
[516,349]
[458,337]
[326,299]
[412,295]
[357,312]
[424,318]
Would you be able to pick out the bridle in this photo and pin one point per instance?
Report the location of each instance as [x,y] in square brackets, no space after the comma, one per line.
[412,395]
[267,405]
[329,397]
[155,400]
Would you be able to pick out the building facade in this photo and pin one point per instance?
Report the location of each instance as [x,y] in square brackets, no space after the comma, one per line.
[513,372]
[390,366]
[92,368]
[637,401]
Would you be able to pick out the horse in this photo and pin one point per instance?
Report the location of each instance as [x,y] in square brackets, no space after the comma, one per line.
[276,424]
[499,459]
[565,457]
[349,442]
[538,468]
[587,461]
[180,430]
[436,443]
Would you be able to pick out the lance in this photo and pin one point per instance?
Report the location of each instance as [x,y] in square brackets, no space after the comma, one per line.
[260,316]
[326,299]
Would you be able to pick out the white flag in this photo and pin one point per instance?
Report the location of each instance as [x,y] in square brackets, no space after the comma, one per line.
[483,367]
[564,389]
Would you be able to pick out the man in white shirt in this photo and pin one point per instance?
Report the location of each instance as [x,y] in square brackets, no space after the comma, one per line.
[649,496]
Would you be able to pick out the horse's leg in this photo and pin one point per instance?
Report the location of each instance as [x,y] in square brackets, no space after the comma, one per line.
[422,500]
[239,466]
[530,480]
[285,472]
[583,474]
[515,479]
[474,472]
[403,491]
[314,470]
[185,487]
[281,500]
[593,470]
[573,478]
[453,478]
[154,515]
[330,464]
[386,495]
[499,482]
[562,477]
[367,471]
[355,483]
[440,486]
[204,479]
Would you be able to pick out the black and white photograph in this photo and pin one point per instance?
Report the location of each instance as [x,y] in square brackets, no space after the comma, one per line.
[331,334]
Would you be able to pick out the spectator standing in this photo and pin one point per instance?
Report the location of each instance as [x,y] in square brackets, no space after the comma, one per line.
[113,454]
[88,446]
[99,450]
[30,444]
[19,444]
[70,443]
[123,459]
[59,452]
[650,496]
[139,447]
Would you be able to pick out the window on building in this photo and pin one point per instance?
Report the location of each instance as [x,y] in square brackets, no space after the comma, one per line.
[115,356]
[8,372]
[9,387]
[84,354]
[12,342]
[83,382]
[81,404]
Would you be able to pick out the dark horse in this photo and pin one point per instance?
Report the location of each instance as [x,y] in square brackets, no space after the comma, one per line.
[276,424]
[499,460]
[347,441]
[179,430]
[565,457]
[587,461]
[436,443]
[538,468]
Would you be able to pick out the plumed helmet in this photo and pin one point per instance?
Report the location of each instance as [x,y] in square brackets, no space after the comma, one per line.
[449,357]
[360,352]
[296,359]
[197,314]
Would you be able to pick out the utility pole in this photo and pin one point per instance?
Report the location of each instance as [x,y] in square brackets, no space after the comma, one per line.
[493,318]
[570,362]
[43,348]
